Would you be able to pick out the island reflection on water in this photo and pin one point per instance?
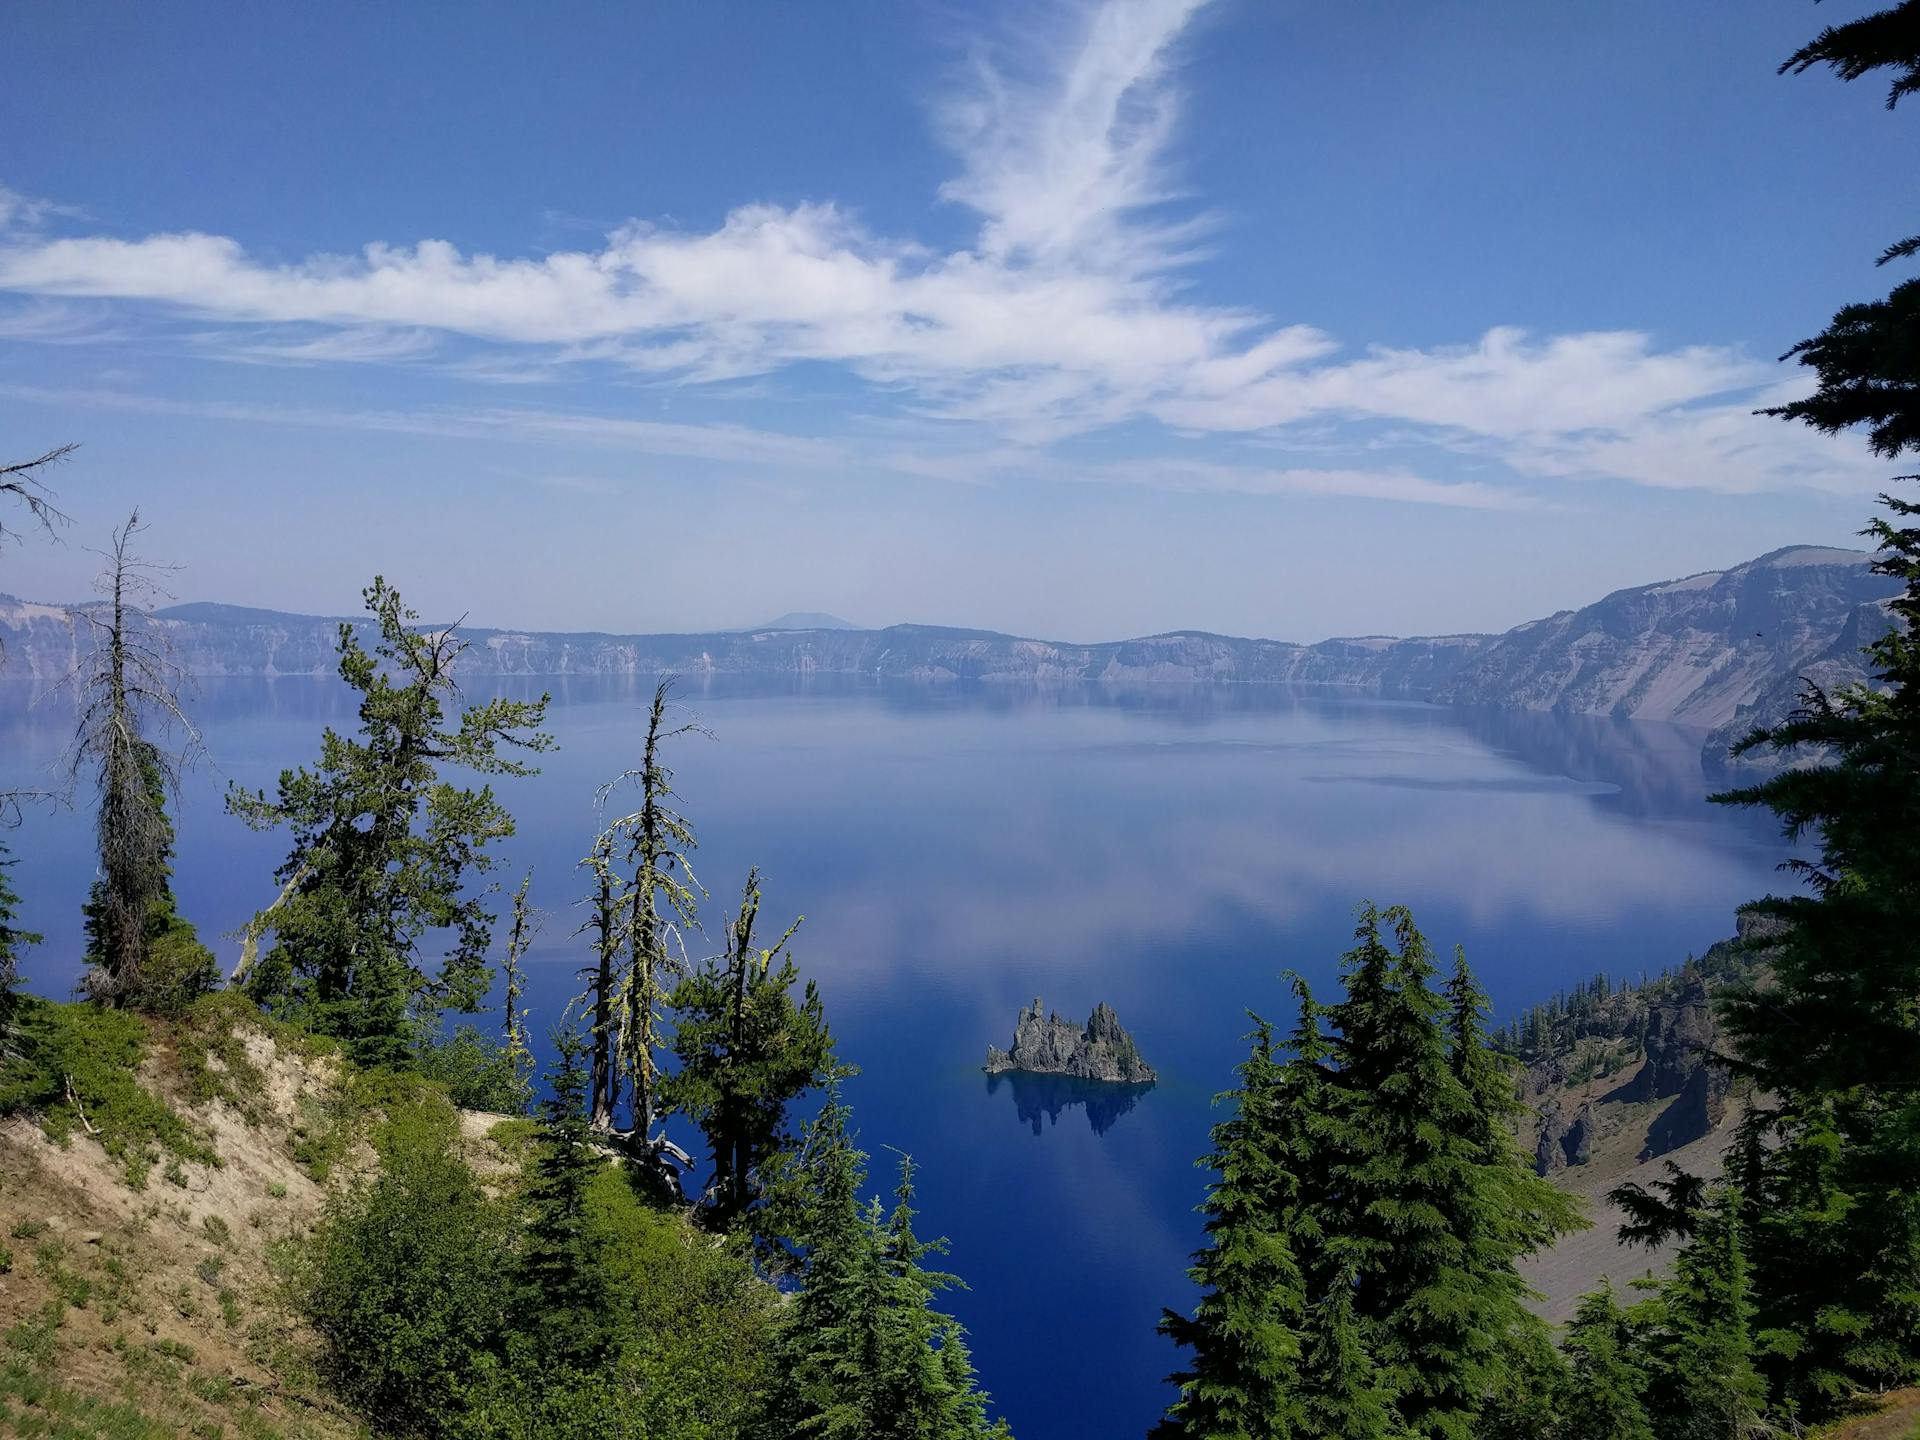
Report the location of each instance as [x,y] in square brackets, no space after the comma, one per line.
[1038,1098]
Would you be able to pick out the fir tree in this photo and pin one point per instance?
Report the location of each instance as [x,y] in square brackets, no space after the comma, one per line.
[518,1051]
[747,1051]
[863,1354]
[174,967]
[1340,1394]
[1245,1334]
[603,923]
[384,844]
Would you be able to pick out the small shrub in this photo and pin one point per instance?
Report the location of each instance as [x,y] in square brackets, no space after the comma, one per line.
[209,1269]
[28,1229]
[6,1261]
[217,1230]
[478,1072]
[230,1309]
[277,1190]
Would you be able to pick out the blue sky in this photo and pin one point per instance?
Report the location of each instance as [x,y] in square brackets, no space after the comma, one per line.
[1082,321]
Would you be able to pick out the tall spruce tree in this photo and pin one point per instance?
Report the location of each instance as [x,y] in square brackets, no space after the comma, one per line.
[603,924]
[747,1051]
[1834,1034]
[1340,1392]
[384,845]
[1242,1380]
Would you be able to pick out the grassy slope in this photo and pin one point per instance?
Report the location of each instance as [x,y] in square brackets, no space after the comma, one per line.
[160,1311]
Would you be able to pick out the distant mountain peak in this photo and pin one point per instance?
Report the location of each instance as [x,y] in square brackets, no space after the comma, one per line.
[808,620]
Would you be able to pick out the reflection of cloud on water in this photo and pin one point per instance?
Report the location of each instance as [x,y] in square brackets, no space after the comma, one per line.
[1051,892]
[1039,1099]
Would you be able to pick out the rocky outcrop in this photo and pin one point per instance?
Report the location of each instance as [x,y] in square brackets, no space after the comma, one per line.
[1561,1144]
[1054,1045]
[1679,1034]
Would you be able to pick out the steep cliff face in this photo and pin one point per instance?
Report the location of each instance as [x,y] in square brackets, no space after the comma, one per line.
[1695,652]
[1054,1045]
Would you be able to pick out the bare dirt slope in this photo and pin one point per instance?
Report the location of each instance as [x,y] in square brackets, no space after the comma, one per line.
[160,1308]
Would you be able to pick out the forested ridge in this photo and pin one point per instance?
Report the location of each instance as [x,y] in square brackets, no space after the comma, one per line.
[575,1271]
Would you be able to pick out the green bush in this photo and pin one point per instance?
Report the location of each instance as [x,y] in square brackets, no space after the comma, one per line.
[404,1282]
[478,1072]
[413,1281]
[76,1071]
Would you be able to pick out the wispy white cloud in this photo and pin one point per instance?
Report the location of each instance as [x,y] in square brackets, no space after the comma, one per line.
[1064,313]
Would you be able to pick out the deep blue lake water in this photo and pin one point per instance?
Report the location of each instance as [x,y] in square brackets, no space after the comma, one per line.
[959,850]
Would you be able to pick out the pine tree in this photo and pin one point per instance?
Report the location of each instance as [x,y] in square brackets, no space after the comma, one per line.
[747,1051]
[863,1354]
[1244,1335]
[518,1050]
[1834,1036]
[384,845]
[603,923]
[564,1284]
[1604,1398]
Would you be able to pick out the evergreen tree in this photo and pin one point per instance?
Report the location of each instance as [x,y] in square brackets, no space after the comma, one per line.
[514,1042]
[1704,1386]
[1424,1195]
[1604,1398]
[1340,1393]
[661,903]
[13,940]
[128,687]
[863,1354]
[747,1051]
[604,925]
[1835,1035]
[1245,1334]
[560,1273]
[174,967]
[384,845]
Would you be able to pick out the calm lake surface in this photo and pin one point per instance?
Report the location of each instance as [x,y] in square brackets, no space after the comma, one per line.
[957,851]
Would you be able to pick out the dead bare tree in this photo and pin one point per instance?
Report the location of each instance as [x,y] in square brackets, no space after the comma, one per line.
[658,905]
[127,691]
[20,482]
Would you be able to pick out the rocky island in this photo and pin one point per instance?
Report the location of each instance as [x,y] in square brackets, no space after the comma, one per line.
[1054,1045]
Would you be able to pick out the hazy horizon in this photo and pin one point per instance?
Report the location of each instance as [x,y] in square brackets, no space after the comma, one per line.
[1080,322]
